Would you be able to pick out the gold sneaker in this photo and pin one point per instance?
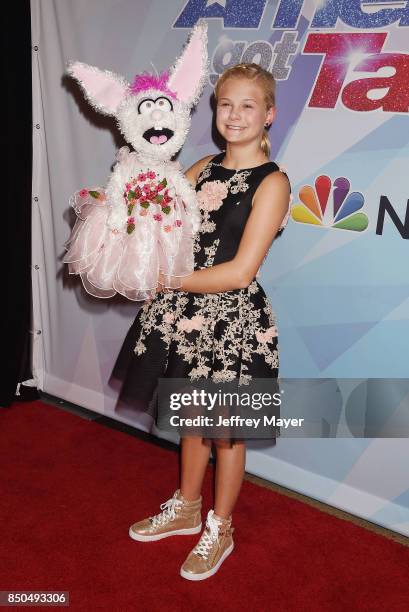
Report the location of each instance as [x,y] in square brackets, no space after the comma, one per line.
[178,517]
[215,544]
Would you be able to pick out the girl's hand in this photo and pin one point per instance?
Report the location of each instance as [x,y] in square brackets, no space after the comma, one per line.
[161,284]
[160,287]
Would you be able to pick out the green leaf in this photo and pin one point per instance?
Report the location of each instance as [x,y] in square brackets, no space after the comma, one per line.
[130,228]
[159,198]
[131,195]
[166,209]
[94,194]
[145,204]
[164,182]
[130,208]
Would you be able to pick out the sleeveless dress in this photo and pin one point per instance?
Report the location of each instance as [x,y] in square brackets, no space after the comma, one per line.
[222,337]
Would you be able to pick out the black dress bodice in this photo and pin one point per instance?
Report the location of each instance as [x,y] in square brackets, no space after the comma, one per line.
[221,229]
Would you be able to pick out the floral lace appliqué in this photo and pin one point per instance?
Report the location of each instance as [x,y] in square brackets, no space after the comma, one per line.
[211,340]
[211,195]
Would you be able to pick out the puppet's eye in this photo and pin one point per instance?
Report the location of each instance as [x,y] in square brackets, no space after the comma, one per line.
[146,106]
[164,104]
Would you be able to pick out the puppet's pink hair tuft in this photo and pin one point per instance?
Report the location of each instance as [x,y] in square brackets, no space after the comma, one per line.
[145,81]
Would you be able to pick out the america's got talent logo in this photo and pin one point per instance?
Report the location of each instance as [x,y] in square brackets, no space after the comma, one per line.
[352,62]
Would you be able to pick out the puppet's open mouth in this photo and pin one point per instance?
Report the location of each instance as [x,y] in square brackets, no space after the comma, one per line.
[158,136]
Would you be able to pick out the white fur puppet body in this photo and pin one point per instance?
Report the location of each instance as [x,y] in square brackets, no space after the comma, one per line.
[128,167]
[140,227]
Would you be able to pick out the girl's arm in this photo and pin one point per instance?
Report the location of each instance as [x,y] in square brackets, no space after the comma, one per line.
[270,205]
[193,172]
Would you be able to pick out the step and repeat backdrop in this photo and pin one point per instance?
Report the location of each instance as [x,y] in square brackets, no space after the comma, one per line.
[338,276]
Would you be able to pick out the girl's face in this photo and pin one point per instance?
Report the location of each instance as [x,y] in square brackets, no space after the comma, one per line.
[241,111]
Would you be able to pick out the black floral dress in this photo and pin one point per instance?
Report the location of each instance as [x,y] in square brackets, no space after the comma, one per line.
[227,336]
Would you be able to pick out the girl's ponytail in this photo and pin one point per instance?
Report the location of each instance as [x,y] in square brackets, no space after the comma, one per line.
[265,144]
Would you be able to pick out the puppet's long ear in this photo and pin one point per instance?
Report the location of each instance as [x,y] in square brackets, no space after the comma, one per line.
[103,89]
[188,75]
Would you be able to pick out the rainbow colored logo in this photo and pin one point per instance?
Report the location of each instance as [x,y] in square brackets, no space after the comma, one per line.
[314,209]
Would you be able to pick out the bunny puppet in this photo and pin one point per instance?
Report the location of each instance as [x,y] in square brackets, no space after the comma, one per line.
[139,229]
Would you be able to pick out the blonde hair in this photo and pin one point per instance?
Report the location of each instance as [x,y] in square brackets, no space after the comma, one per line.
[267,82]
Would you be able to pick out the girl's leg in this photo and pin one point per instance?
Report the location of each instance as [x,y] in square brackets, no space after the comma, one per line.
[195,458]
[230,468]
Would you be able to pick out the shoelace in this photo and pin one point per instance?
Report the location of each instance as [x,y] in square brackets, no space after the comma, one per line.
[168,513]
[209,536]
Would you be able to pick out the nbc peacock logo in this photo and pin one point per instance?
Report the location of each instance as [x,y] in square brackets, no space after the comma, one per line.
[341,214]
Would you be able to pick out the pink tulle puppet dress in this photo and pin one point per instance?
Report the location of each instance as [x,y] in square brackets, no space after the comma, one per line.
[138,230]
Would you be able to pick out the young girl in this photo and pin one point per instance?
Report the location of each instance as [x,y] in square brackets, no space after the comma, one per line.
[219,324]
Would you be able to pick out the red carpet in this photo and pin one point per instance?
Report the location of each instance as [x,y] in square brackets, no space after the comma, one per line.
[71,488]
